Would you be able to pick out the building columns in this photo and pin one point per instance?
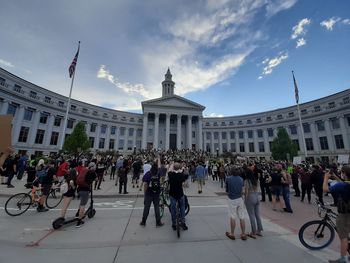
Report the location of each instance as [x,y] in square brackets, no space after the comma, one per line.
[178,134]
[144,131]
[167,131]
[200,133]
[156,131]
[189,132]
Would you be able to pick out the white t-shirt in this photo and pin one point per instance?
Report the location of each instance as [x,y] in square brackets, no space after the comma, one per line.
[146,168]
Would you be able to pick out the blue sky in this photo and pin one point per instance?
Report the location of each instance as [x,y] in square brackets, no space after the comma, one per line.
[234,57]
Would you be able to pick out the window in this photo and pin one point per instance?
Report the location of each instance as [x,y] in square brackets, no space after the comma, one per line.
[279,117]
[57,121]
[331,105]
[17,88]
[291,114]
[61,104]
[105,115]
[258,120]
[215,124]
[47,99]
[113,130]
[231,123]
[73,107]
[268,118]
[241,134]
[121,145]
[84,110]
[303,111]
[249,121]
[224,147]
[193,134]
[233,147]
[260,133]
[293,129]
[339,143]
[250,134]
[95,113]
[93,127]
[241,147]
[251,147]
[122,131]
[317,108]
[216,146]
[296,142]
[348,118]
[240,122]
[139,133]
[320,125]
[32,94]
[150,132]
[270,132]
[306,127]
[101,143]
[115,117]
[23,134]
[223,123]
[309,144]
[232,135]
[43,117]
[335,123]
[131,132]
[70,124]
[324,143]
[261,147]
[129,145]
[216,135]
[111,144]
[28,114]
[11,110]
[208,135]
[92,141]
[39,136]
[103,129]
[224,135]
[346,100]
[54,138]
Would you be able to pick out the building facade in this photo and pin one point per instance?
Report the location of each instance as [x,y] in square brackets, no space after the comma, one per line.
[171,122]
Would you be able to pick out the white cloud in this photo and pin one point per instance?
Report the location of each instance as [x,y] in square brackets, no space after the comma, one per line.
[299,29]
[214,115]
[126,86]
[260,77]
[276,6]
[301,42]
[272,63]
[346,21]
[328,24]
[6,63]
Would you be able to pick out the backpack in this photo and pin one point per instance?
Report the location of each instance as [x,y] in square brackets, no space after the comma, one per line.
[81,178]
[41,174]
[154,184]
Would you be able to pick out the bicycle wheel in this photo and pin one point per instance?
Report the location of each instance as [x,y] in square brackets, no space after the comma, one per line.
[161,207]
[316,234]
[178,221]
[54,198]
[187,206]
[18,204]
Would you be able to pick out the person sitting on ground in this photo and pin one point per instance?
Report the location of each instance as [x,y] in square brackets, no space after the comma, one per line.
[236,208]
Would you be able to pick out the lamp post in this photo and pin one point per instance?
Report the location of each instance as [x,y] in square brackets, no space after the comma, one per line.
[217,152]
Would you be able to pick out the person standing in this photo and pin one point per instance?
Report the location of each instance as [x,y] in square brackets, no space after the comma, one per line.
[306,185]
[236,208]
[10,170]
[113,169]
[221,172]
[317,181]
[342,192]
[200,175]
[22,165]
[286,182]
[123,177]
[136,167]
[276,186]
[100,171]
[295,181]
[152,182]
[265,185]
[45,182]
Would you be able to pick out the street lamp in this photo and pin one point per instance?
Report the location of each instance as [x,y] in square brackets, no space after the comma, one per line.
[217,152]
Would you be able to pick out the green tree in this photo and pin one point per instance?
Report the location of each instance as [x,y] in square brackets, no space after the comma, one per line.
[77,142]
[283,148]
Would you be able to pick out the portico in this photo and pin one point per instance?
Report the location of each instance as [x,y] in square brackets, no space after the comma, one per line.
[172,122]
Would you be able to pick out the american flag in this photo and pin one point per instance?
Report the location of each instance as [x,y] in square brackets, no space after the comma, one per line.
[296,91]
[74,63]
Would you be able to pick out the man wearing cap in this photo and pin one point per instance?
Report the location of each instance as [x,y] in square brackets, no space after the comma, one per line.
[341,191]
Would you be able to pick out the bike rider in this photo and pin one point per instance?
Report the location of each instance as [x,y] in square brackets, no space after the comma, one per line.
[176,193]
[341,190]
[45,182]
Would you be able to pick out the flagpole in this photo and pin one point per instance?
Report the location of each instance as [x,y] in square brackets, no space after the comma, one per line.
[300,123]
[68,106]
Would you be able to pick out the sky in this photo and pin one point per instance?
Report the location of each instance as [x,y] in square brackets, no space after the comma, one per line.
[233,57]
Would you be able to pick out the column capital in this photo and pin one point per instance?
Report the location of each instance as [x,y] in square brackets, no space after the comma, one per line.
[179,116]
[157,114]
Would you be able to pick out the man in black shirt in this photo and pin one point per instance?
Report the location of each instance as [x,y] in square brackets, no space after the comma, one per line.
[46,183]
[10,170]
[176,193]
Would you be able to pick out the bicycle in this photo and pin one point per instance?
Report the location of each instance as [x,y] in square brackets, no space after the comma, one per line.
[19,203]
[318,234]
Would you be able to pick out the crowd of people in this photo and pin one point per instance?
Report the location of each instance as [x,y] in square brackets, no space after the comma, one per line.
[247,182]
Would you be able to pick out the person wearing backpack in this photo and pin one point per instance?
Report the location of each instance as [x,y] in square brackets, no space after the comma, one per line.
[45,177]
[84,182]
[341,191]
[151,181]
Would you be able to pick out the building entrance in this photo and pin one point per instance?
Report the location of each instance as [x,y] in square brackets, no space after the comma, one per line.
[172,144]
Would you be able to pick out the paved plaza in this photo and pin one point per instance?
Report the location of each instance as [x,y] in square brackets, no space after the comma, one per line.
[114,234]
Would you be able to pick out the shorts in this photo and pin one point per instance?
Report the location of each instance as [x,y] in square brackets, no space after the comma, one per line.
[200,181]
[46,189]
[70,192]
[343,225]
[84,197]
[276,190]
[236,208]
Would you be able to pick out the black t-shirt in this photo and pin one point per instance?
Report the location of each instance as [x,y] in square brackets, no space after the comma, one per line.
[276,179]
[48,178]
[175,184]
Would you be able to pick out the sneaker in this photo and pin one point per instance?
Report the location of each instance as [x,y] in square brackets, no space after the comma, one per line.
[10,186]
[42,209]
[184,227]
[173,227]
[143,223]
[159,224]
[126,193]
[339,260]
[79,223]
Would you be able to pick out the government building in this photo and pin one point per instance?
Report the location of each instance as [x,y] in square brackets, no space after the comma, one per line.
[171,122]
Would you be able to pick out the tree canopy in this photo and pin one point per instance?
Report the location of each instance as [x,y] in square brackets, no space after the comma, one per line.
[77,142]
[283,148]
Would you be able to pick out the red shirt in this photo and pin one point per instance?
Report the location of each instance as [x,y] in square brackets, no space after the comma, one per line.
[62,169]
[79,169]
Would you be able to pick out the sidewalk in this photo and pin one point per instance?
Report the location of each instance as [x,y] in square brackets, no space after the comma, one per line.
[110,190]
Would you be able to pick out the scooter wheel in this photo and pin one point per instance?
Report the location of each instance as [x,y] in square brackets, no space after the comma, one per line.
[91,213]
[58,223]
